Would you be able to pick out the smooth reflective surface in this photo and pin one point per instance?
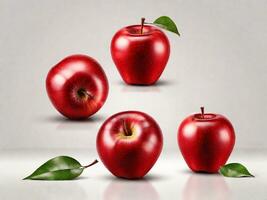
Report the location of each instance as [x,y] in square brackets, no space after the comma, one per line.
[169,179]
[42,190]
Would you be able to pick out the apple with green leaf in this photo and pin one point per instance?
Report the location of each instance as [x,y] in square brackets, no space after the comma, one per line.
[141,52]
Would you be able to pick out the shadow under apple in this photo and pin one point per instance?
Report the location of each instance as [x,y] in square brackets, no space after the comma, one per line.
[145,88]
[63,123]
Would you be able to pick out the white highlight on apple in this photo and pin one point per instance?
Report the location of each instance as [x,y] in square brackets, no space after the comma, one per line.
[122,42]
[189,130]
[149,146]
[159,47]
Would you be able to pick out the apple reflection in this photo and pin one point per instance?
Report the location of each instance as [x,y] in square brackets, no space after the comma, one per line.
[120,189]
[201,186]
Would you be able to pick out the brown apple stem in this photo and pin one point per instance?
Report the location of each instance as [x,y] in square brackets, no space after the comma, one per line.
[142,24]
[202,112]
[93,163]
[126,129]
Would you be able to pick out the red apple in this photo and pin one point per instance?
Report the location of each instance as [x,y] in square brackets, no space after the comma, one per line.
[206,141]
[129,143]
[77,86]
[140,53]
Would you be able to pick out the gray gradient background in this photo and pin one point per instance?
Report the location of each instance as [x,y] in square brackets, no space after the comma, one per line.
[219,61]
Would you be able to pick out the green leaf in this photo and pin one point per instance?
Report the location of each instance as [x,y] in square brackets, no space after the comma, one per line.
[235,170]
[59,168]
[166,23]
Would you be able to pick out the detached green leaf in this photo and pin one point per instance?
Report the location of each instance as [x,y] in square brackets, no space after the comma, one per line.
[59,168]
[235,170]
[166,23]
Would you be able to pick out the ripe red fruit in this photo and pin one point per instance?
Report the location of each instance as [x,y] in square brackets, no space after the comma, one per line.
[140,53]
[77,86]
[129,143]
[206,141]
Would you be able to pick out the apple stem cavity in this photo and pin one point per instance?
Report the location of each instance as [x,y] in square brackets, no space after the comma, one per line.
[84,94]
[202,112]
[127,131]
[142,24]
[91,164]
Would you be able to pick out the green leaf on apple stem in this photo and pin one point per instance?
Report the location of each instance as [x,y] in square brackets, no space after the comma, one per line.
[166,23]
[59,168]
[235,170]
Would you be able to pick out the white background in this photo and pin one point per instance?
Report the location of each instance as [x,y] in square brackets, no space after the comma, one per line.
[220,61]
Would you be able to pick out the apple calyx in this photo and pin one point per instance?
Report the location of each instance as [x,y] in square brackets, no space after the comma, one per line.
[202,112]
[84,94]
[126,129]
[91,164]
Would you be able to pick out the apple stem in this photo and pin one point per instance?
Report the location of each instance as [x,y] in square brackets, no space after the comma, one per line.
[142,24]
[126,129]
[93,163]
[202,111]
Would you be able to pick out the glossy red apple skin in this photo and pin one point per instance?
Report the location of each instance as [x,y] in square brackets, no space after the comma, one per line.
[131,156]
[206,143]
[140,58]
[69,82]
